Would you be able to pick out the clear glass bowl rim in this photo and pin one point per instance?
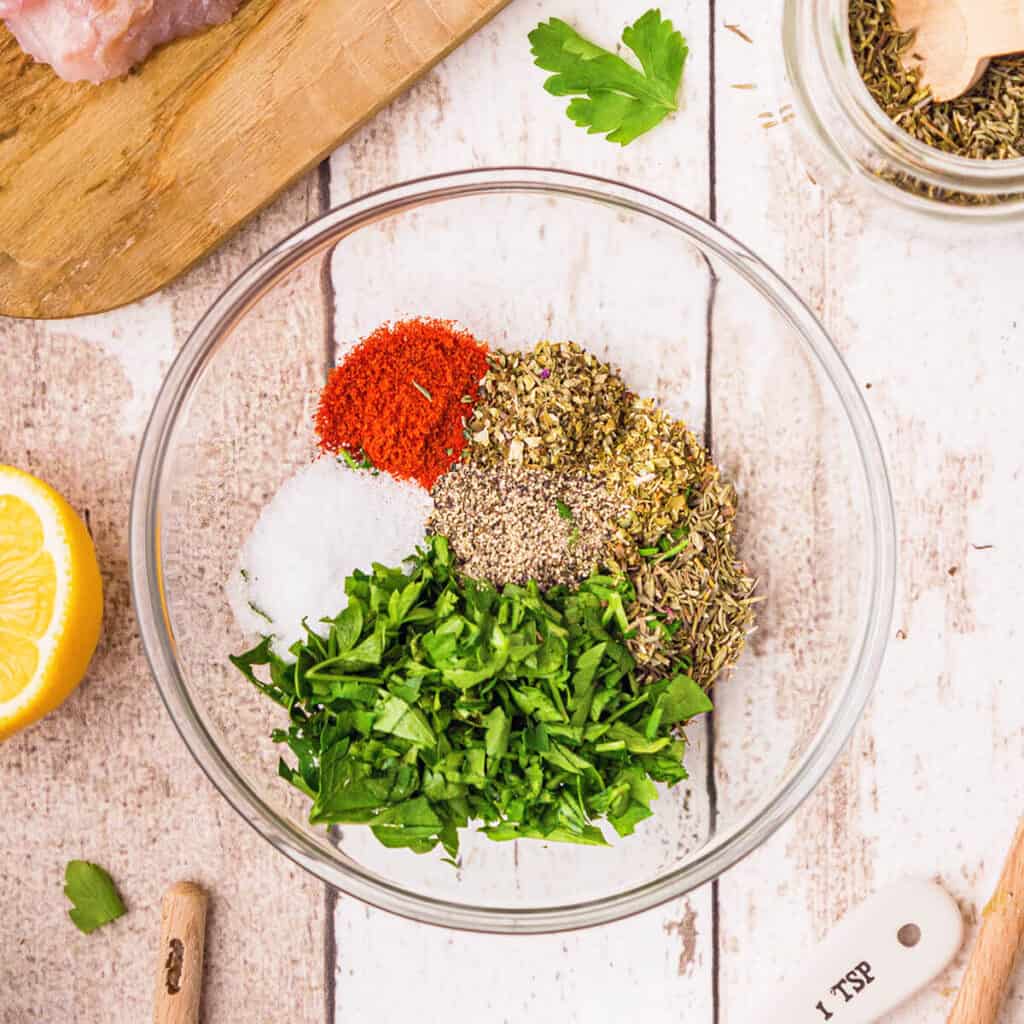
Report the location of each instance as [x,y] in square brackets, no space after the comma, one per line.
[726,847]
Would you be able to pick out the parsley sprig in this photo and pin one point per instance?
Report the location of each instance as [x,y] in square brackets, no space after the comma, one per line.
[92,892]
[435,701]
[614,98]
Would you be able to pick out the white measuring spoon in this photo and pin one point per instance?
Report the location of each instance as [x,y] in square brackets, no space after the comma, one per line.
[879,955]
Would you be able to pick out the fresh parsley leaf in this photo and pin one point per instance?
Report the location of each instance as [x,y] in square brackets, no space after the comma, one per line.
[496,741]
[92,892]
[683,699]
[346,629]
[563,510]
[614,98]
[397,718]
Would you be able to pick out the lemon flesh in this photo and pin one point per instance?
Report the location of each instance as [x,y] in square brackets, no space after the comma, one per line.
[51,600]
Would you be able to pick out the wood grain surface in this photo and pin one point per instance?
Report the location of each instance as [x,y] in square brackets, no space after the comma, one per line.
[109,192]
[108,779]
[931,784]
[980,999]
[178,990]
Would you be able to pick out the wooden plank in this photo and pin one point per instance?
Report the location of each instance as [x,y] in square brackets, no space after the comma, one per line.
[802,881]
[930,784]
[107,193]
[658,966]
[106,777]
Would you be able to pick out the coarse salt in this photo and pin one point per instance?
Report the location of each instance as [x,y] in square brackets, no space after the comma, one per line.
[324,522]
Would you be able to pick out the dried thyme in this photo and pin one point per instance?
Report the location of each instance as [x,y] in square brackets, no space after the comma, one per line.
[695,607]
[983,124]
[695,600]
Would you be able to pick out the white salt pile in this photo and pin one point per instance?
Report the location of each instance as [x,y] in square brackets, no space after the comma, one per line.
[323,523]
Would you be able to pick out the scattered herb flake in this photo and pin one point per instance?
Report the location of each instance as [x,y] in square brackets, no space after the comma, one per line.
[563,510]
[422,390]
[257,610]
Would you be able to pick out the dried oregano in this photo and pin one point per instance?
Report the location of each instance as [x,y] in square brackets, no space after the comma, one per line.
[545,409]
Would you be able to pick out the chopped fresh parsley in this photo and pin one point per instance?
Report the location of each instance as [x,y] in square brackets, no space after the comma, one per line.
[92,892]
[257,610]
[433,701]
[350,460]
[614,98]
[563,510]
[669,545]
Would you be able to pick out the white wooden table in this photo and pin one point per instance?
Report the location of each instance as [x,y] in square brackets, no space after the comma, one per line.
[930,785]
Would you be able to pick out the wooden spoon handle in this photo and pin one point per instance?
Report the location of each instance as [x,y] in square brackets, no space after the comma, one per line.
[1002,931]
[179,977]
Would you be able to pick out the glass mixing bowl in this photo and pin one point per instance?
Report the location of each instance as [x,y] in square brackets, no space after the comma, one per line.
[693,318]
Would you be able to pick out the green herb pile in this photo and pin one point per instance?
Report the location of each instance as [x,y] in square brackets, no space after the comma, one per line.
[434,701]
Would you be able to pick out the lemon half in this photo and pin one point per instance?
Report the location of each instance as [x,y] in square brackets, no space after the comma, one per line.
[51,599]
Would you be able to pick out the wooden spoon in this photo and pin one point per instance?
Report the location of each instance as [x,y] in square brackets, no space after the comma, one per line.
[179,977]
[956,38]
[1001,936]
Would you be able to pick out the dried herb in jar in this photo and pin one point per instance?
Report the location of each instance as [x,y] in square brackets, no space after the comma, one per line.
[984,124]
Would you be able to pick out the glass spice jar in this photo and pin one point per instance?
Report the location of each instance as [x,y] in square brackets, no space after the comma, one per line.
[851,147]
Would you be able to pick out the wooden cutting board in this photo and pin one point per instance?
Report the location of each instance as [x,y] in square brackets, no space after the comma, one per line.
[108,192]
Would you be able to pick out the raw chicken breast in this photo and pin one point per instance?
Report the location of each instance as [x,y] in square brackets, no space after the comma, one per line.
[99,39]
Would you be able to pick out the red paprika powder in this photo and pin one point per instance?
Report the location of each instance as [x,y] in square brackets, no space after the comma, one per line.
[401,398]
